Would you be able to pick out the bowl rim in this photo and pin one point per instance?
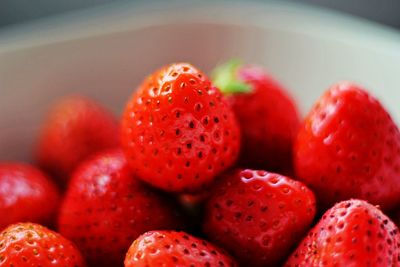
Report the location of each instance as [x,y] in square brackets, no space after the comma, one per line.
[126,16]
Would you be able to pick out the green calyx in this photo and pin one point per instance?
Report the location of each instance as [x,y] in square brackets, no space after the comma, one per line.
[225,78]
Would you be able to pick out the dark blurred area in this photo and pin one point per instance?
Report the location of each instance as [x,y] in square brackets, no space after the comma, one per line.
[382,11]
[17,11]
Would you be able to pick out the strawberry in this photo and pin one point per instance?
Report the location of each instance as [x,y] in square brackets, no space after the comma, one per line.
[267,115]
[29,244]
[75,128]
[258,216]
[106,208]
[351,233]
[178,132]
[349,147]
[175,249]
[26,194]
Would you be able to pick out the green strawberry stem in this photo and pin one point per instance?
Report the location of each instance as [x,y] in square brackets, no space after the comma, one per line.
[225,78]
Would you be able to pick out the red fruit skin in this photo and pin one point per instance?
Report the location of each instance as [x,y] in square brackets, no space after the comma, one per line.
[268,119]
[349,147]
[175,249]
[258,216]
[352,233]
[29,244]
[26,194]
[75,128]
[106,208]
[178,132]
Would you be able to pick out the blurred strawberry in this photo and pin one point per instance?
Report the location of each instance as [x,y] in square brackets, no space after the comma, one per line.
[178,132]
[266,113]
[349,147]
[75,128]
[26,194]
[106,208]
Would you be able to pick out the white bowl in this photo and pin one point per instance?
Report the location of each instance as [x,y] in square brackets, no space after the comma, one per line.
[105,52]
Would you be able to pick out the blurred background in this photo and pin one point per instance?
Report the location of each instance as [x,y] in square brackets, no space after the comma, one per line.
[18,11]
[104,48]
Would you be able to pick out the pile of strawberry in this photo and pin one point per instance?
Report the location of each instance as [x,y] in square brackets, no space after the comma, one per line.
[203,173]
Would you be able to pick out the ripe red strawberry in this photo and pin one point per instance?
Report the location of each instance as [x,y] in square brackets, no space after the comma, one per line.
[266,113]
[106,208]
[75,128]
[349,147]
[178,133]
[29,244]
[26,194]
[175,249]
[258,216]
[352,233]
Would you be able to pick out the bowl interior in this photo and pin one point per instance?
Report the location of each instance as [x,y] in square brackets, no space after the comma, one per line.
[306,54]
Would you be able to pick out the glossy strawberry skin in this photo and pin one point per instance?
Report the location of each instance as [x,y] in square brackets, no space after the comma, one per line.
[352,233]
[258,216]
[268,119]
[175,249]
[29,244]
[178,132]
[26,194]
[75,128]
[106,208]
[349,147]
